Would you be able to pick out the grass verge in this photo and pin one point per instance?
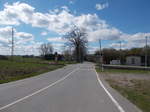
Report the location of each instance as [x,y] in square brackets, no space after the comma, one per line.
[124,71]
[138,94]
[137,91]
[12,70]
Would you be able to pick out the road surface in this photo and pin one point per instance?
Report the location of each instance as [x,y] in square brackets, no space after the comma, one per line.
[74,88]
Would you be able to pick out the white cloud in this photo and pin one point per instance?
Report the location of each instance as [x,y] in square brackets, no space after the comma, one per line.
[5,34]
[92,49]
[131,40]
[56,39]
[136,40]
[44,33]
[117,45]
[71,2]
[105,34]
[138,37]
[16,13]
[54,11]
[29,49]
[60,21]
[101,6]
[65,8]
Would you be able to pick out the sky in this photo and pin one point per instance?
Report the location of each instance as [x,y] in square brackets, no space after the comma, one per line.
[41,21]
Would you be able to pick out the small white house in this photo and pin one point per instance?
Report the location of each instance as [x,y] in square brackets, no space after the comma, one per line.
[115,62]
[133,60]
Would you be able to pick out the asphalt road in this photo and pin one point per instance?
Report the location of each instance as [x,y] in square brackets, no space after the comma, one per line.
[75,88]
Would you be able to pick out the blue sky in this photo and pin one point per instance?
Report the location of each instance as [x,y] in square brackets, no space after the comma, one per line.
[40,21]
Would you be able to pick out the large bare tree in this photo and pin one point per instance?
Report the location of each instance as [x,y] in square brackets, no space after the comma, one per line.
[77,39]
[46,49]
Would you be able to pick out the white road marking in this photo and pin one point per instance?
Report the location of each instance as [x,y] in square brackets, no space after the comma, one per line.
[108,93]
[21,99]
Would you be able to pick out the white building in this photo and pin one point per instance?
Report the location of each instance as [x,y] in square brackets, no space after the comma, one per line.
[133,60]
[115,62]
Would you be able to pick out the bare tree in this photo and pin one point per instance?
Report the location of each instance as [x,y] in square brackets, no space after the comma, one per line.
[67,55]
[77,38]
[46,49]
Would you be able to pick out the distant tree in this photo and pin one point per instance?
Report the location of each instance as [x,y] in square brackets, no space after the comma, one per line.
[139,51]
[135,52]
[109,54]
[148,50]
[77,38]
[46,49]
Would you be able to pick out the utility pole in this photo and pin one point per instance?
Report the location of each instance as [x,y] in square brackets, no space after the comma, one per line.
[101,56]
[12,42]
[120,52]
[146,51]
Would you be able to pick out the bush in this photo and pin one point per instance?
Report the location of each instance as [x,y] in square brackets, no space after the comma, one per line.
[3,57]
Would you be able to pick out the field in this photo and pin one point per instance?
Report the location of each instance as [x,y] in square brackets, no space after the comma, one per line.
[21,68]
[132,84]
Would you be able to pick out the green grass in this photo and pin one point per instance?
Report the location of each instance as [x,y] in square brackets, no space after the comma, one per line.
[123,71]
[139,94]
[39,60]
[67,62]
[14,70]
[24,59]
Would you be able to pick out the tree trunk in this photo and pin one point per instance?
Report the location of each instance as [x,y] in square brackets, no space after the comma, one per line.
[77,54]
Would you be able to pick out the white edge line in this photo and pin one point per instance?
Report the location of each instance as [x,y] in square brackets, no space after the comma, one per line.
[108,93]
[21,99]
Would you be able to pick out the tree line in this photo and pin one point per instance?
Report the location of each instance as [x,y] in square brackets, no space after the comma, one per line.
[114,54]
